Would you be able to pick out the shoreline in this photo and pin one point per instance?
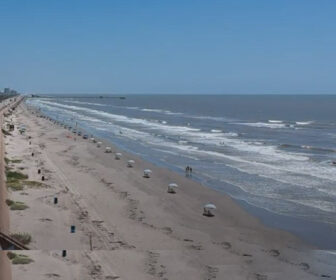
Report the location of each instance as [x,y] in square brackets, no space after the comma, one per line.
[321,237]
[101,195]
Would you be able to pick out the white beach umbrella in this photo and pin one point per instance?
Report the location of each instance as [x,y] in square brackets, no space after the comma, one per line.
[108,150]
[147,173]
[172,187]
[208,209]
[118,155]
[99,144]
[92,139]
[210,206]
[130,163]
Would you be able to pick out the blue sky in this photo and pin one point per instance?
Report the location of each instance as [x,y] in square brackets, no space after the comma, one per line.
[175,46]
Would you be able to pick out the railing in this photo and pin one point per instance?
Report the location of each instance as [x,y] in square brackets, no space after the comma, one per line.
[9,243]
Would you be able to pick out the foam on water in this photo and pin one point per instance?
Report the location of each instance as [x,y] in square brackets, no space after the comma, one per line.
[265,125]
[275,121]
[304,123]
[84,103]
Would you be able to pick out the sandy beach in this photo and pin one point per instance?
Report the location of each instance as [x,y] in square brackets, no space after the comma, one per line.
[128,226]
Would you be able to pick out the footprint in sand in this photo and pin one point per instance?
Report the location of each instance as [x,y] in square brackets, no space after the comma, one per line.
[188,240]
[211,272]
[45,220]
[167,230]
[260,276]
[153,267]
[225,245]
[52,275]
[304,266]
[197,247]
[274,253]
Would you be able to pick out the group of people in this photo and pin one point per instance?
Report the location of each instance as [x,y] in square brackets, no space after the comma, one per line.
[188,170]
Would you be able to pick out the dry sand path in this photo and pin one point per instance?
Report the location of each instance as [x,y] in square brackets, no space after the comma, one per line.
[137,229]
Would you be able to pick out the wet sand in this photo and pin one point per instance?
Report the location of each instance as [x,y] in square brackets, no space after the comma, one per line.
[135,228]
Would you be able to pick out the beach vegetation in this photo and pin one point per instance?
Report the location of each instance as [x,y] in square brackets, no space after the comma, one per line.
[19,258]
[14,180]
[8,161]
[15,175]
[15,185]
[34,184]
[16,205]
[23,237]
[8,168]
[15,160]
[11,255]
[5,132]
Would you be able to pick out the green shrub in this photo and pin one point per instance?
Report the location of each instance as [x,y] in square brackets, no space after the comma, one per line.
[17,206]
[20,259]
[5,132]
[15,185]
[24,238]
[11,255]
[14,179]
[15,175]
[34,184]
[9,202]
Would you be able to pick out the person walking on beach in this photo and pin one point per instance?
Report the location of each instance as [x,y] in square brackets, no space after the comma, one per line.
[188,171]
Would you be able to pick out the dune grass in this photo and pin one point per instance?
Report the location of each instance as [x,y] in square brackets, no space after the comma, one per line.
[15,185]
[15,175]
[5,132]
[14,179]
[19,258]
[16,205]
[35,184]
[22,237]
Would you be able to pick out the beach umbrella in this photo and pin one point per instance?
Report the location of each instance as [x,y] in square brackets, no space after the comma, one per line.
[99,144]
[130,163]
[108,150]
[172,187]
[208,208]
[147,173]
[118,155]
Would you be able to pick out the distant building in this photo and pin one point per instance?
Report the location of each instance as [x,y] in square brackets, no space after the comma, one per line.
[7,90]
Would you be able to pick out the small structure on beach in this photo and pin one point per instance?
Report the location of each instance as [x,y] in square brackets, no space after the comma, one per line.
[118,156]
[208,209]
[93,140]
[22,130]
[172,188]
[108,150]
[147,173]
[99,144]
[130,163]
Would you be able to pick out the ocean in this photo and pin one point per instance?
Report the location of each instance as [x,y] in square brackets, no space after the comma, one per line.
[273,154]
